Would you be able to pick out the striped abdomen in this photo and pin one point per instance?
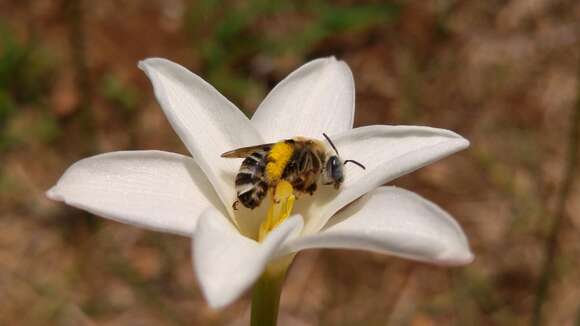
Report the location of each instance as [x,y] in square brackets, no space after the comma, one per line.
[251,185]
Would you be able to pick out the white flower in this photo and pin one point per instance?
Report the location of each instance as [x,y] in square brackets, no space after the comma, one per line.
[193,196]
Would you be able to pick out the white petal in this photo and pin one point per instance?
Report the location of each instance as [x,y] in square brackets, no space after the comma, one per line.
[227,263]
[388,152]
[393,221]
[317,97]
[206,122]
[156,190]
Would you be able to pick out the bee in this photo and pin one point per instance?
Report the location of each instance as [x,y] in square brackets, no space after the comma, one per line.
[300,161]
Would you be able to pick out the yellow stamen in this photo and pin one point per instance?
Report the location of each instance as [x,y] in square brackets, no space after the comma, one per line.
[282,202]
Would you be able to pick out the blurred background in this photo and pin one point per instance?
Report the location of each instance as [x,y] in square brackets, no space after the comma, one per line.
[504,74]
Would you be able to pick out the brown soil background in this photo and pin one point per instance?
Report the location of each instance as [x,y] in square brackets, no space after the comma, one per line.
[504,74]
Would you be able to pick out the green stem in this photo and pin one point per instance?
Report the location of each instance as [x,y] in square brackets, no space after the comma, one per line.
[266,294]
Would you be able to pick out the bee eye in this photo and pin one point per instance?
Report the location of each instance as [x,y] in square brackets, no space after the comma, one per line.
[334,170]
[332,163]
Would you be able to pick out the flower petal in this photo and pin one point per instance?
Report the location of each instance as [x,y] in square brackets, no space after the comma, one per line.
[206,122]
[227,263]
[156,190]
[394,221]
[388,152]
[317,97]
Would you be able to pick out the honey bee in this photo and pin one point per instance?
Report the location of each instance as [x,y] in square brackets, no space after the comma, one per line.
[300,161]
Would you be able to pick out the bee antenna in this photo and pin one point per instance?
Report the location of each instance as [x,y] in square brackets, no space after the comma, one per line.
[331,143]
[355,162]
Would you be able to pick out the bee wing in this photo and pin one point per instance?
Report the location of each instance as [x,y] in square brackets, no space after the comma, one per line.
[247,151]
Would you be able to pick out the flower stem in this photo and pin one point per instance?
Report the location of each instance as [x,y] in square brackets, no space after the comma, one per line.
[268,288]
[266,294]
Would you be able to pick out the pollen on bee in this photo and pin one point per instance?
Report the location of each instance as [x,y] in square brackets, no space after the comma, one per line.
[278,157]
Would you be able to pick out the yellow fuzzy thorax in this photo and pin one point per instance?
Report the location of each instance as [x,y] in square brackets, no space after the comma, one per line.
[278,158]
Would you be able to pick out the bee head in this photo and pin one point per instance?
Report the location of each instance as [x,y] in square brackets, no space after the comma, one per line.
[334,169]
[333,172]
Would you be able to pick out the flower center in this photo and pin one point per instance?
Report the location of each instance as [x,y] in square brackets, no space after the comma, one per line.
[281,207]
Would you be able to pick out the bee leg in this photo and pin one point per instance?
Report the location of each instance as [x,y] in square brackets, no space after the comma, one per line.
[235,205]
[276,201]
[311,189]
